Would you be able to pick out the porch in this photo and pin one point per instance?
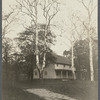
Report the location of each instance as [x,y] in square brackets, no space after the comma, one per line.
[64,74]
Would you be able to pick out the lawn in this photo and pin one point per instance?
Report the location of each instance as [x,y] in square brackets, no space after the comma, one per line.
[81,90]
[15,93]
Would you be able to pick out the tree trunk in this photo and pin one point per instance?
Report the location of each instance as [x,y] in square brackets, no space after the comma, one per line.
[44,61]
[36,40]
[91,53]
[90,12]
[42,67]
[44,55]
[91,61]
[73,71]
[40,74]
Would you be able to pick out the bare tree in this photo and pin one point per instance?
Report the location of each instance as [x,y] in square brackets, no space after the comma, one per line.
[8,21]
[50,10]
[87,28]
[30,8]
[90,7]
[75,35]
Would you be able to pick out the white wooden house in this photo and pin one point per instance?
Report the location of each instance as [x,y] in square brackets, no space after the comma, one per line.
[61,69]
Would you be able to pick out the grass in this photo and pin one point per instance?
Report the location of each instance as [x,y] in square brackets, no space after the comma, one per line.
[79,91]
[15,93]
[82,90]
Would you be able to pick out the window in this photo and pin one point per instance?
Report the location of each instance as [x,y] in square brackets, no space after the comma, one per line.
[45,73]
[69,73]
[57,73]
[35,72]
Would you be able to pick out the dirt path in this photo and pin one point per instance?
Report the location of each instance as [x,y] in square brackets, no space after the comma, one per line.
[49,95]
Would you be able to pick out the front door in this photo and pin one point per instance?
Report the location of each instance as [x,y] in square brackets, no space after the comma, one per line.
[64,74]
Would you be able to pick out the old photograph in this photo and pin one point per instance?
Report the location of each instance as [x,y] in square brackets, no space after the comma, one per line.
[49,49]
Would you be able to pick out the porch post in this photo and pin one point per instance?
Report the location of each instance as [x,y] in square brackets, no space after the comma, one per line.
[67,74]
[61,74]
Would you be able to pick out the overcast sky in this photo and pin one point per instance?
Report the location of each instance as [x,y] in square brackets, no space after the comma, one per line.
[67,8]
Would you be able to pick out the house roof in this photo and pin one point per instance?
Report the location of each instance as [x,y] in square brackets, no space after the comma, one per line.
[62,60]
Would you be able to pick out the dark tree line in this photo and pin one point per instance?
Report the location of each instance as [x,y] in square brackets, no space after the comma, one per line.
[81,58]
[22,63]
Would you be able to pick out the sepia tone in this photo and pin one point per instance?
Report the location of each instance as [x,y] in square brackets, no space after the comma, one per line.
[49,50]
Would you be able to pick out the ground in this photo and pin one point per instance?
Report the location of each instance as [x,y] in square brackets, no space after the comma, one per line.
[49,95]
[51,90]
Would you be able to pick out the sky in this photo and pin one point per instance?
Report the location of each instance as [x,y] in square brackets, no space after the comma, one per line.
[62,20]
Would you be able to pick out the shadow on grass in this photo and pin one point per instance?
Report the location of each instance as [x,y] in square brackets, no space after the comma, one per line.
[13,93]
